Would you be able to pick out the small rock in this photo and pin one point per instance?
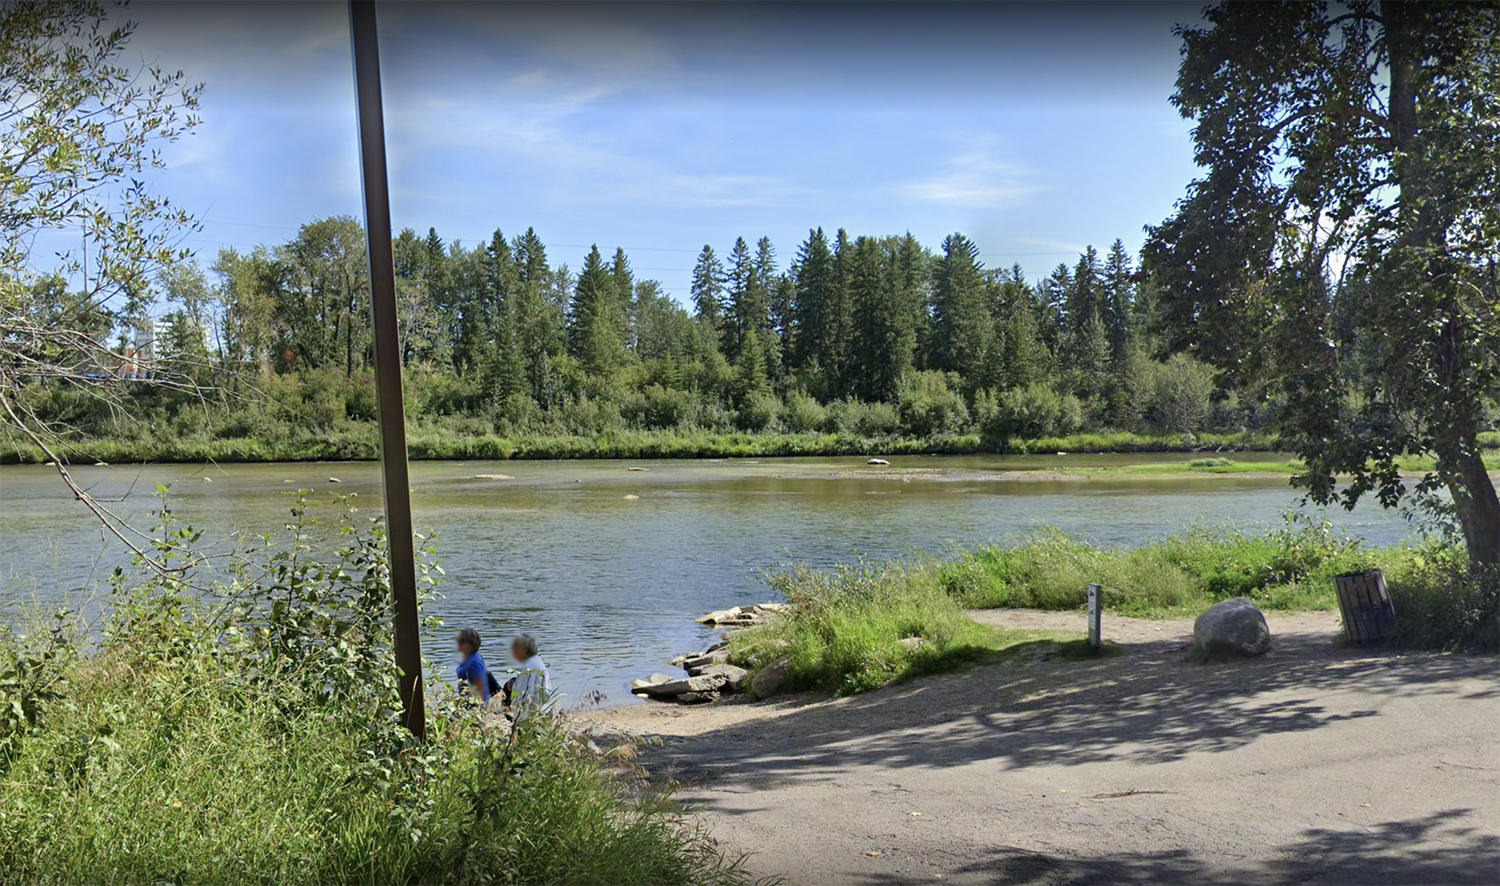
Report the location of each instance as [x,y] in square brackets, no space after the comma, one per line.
[696,697]
[716,647]
[1233,627]
[678,661]
[632,498]
[105,464]
[877,461]
[735,677]
[769,679]
[334,480]
[642,470]
[493,477]
[912,642]
[208,479]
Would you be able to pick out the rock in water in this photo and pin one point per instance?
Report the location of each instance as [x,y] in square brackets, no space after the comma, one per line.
[769,679]
[877,461]
[334,480]
[1233,627]
[653,680]
[493,477]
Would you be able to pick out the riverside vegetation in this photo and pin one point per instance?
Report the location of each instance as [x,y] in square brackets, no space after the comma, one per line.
[248,732]
[845,628]
[859,344]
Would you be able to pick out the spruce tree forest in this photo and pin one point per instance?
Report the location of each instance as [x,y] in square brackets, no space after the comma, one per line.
[854,344]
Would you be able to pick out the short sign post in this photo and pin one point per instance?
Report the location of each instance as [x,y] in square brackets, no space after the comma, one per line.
[1096,608]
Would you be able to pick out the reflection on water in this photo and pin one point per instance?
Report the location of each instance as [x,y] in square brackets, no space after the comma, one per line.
[608,583]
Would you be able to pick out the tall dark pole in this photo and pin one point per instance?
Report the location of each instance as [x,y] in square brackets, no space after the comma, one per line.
[388,361]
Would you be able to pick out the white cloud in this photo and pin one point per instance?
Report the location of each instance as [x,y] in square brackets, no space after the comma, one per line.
[976,178]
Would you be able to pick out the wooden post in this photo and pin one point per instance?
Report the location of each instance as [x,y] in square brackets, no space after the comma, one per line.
[1096,612]
[394,476]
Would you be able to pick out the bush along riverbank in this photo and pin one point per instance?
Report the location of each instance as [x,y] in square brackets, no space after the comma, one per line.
[252,736]
[361,442]
[857,628]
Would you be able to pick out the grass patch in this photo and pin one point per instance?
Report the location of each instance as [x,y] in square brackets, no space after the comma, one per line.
[1217,465]
[1290,569]
[846,629]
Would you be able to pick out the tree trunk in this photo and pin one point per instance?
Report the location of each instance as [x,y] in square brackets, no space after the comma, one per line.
[1475,502]
[1460,464]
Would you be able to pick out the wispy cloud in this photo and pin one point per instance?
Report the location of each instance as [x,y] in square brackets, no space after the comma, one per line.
[977,178]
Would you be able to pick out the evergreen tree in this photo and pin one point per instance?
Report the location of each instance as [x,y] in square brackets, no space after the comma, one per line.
[593,338]
[707,290]
[539,333]
[1118,307]
[962,323]
[749,300]
[838,323]
[884,337]
[505,372]
[812,283]
[624,292]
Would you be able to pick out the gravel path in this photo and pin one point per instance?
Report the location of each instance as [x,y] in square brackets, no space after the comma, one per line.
[1313,764]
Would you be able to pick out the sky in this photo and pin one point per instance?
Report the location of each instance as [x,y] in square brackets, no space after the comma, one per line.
[1035,130]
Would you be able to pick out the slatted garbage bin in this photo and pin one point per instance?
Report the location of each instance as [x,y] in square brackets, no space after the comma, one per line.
[1365,606]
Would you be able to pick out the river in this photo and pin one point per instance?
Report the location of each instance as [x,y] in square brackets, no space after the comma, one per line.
[606,565]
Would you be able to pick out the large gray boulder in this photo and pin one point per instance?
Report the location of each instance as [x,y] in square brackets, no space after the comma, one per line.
[653,680]
[1233,627]
[769,679]
[703,684]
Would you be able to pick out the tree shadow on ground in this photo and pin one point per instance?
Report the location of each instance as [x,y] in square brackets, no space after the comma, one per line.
[1434,850]
[1149,705]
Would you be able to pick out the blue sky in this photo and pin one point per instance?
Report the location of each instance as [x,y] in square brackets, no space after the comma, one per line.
[1034,130]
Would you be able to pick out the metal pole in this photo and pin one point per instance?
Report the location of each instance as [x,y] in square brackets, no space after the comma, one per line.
[396,483]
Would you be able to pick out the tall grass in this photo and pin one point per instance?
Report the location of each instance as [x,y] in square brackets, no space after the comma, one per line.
[846,629]
[1292,568]
[255,739]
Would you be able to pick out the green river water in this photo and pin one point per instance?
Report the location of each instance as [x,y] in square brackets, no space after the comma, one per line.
[608,583]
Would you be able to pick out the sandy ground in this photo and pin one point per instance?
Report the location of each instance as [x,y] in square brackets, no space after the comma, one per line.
[1313,765]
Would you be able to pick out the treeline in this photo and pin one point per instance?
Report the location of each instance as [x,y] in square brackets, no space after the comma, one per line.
[863,336]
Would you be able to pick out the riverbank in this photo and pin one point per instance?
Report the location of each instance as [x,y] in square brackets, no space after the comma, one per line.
[362,443]
[1142,766]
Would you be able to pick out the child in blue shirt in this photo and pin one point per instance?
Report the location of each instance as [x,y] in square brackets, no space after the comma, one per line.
[473,676]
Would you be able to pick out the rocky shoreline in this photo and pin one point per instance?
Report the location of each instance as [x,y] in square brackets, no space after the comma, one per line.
[710,676]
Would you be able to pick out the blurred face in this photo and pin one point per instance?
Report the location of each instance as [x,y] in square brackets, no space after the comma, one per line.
[465,649]
[517,653]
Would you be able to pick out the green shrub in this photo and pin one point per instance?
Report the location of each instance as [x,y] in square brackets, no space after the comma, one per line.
[760,411]
[804,413]
[929,403]
[1440,604]
[1030,412]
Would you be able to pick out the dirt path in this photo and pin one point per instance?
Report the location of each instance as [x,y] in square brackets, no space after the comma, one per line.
[1313,764]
